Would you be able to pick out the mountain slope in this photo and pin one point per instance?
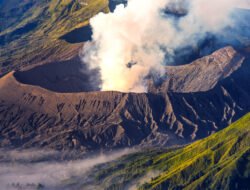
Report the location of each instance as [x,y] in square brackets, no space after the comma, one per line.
[36,117]
[221,161]
[35,31]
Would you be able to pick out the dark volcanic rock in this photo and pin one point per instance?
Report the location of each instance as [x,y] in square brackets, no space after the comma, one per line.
[62,76]
[205,100]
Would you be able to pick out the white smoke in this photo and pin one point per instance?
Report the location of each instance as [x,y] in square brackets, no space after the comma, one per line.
[138,39]
[245,4]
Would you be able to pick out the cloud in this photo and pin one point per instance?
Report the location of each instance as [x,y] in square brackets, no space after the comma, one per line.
[29,168]
[146,178]
[139,39]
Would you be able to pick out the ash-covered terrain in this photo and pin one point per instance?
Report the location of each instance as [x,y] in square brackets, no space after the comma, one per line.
[193,102]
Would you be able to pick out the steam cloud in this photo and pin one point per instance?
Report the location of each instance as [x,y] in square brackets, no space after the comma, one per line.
[139,39]
[245,4]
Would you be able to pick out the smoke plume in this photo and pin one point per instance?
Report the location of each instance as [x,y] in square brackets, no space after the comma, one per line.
[245,4]
[138,39]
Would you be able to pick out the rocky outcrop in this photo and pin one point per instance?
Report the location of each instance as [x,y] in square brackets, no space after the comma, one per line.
[207,99]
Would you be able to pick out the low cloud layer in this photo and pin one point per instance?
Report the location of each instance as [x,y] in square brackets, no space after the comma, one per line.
[139,182]
[27,169]
[137,40]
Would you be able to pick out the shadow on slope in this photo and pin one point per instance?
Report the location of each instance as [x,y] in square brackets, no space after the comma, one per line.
[78,35]
[66,76]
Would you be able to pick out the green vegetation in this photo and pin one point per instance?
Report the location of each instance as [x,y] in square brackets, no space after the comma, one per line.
[30,30]
[221,161]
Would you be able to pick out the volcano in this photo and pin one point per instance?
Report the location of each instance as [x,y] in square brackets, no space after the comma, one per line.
[177,109]
[41,115]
